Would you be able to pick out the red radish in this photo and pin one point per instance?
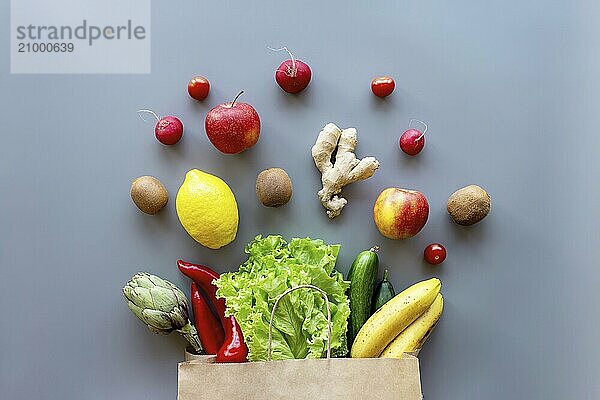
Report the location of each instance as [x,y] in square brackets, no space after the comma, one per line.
[168,130]
[293,76]
[198,88]
[232,127]
[382,86]
[434,254]
[412,141]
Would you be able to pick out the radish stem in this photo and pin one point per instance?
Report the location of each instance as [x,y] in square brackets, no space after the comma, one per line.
[424,124]
[140,113]
[294,69]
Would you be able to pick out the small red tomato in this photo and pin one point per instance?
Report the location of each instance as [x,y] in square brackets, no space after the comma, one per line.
[168,130]
[198,88]
[412,142]
[434,254]
[382,86]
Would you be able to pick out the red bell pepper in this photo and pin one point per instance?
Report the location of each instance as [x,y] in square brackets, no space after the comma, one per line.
[234,348]
[207,324]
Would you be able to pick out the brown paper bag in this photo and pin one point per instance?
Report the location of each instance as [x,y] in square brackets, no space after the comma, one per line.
[335,378]
[199,377]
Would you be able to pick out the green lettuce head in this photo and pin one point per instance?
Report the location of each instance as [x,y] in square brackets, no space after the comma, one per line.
[300,324]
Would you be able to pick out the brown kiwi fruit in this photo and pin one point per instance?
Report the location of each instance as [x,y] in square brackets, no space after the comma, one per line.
[149,194]
[273,187]
[469,205]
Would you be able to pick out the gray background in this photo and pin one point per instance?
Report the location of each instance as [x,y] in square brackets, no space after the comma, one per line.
[510,90]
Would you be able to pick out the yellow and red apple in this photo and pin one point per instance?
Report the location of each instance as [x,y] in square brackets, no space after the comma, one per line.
[400,213]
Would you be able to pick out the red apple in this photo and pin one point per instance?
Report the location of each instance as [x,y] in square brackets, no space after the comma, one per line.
[400,213]
[232,127]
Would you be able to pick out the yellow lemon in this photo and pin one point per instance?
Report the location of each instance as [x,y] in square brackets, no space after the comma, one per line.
[207,209]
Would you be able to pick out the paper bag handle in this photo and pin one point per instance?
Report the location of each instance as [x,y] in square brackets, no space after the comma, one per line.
[323,294]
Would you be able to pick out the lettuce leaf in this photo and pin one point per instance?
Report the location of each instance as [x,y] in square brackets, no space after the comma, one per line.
[300,323]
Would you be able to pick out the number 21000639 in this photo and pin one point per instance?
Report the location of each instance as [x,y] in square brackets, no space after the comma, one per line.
[46,47]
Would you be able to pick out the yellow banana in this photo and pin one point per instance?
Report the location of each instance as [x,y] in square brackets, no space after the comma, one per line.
[413,337]
[393,317]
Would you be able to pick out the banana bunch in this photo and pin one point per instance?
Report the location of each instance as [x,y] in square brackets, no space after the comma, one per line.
[402,324]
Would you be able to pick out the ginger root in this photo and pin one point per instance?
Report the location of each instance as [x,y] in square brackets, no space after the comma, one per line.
[345,169]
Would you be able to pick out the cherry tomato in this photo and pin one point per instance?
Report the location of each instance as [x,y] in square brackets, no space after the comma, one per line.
[382,86]
[434,254]
[198,87]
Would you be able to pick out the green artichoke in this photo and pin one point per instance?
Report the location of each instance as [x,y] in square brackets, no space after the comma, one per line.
[161,306]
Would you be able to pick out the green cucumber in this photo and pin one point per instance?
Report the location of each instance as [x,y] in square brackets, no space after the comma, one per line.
[385,291]
[362,277]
